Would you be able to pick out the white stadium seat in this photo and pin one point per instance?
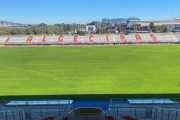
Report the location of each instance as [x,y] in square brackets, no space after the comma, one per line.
[3,39]
[93,39]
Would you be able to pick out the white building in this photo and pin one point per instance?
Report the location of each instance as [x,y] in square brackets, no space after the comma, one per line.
[90,28]
[156,22]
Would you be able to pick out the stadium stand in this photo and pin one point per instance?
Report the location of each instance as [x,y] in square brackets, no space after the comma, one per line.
[178,38]
[3,39]
[90,40]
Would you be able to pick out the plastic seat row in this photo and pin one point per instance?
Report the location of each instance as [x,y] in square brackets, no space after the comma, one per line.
[49,118]
[128,118]
[110,118]
[101,38]
[66,118]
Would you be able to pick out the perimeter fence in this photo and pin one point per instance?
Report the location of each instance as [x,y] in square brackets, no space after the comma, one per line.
[166,114]
[16,114]
[27,102]
[62,111]
[68,101]
[143,100]
[159,111]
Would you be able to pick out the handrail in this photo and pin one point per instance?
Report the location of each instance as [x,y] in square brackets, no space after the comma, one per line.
[153,99]
[27,102]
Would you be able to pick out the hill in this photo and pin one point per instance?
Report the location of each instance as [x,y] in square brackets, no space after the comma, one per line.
[5,23]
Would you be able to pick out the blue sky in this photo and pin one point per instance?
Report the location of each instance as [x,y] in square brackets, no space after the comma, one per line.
[84,11]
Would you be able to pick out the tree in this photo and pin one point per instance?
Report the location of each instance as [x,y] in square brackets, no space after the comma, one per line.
[15,31]
[105,31]
[165,30]
[151,25]
[42,25]
[68,28]
[99,30]
[80,32]
[35,31]
[154,30]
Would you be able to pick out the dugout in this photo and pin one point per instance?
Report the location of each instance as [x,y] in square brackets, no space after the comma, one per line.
[87,114]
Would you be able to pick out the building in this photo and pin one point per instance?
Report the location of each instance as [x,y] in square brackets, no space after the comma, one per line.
[111,29]
[19,26]
[90,28]
[161,24]
[156,22]
[122,27]
[5,25]
[81,26]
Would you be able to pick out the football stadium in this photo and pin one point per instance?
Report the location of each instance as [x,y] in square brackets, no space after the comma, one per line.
[89,60]
[95,77]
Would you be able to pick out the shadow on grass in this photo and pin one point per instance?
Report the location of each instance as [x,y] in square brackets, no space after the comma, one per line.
[92,97]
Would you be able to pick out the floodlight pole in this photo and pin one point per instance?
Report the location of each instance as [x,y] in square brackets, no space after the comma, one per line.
[172,23]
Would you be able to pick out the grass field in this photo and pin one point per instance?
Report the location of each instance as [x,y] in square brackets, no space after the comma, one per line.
[78,71]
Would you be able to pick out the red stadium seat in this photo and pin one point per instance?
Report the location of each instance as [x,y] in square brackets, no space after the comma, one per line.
[128,118]
[110,118]
[66,118]
[50,118]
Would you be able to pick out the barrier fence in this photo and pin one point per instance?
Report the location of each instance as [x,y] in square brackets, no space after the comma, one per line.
[166,114]
[87,116]
[143,100]
[87,44]
[25,102]
[32,113]
[115,108]
[64,111]
[16,114]
[68,101]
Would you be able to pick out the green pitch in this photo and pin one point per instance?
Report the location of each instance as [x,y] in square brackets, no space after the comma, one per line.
[148,69]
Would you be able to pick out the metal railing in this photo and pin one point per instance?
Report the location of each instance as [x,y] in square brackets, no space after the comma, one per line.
[166,114]
[31,113]
[36,102]
[88,116]
[16,114]
[34,112]
[164,100]
[61,111]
